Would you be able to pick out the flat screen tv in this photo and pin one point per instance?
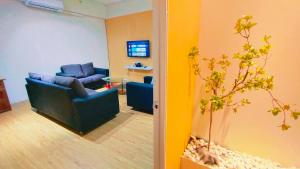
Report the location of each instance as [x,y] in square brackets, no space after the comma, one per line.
[139,48]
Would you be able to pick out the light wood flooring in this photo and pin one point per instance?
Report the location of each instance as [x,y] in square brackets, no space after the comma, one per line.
[31,141]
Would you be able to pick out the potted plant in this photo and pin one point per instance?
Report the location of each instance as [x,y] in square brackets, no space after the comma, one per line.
[251,75]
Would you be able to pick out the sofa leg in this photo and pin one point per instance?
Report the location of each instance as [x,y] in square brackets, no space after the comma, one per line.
[34,109]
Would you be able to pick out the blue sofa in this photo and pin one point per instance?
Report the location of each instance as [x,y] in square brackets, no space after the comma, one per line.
[87,74]
[63,104]
[140,95]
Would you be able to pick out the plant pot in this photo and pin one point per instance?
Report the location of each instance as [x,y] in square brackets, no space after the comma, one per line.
[189,164]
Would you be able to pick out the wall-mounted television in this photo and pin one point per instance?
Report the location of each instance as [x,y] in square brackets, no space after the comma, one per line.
[140,48]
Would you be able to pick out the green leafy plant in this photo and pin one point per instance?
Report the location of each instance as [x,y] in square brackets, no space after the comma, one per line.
[251,75]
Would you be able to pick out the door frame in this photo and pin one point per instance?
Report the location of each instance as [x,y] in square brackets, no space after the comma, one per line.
[160,72]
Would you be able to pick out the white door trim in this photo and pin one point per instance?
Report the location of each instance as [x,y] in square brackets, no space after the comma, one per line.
[160,69]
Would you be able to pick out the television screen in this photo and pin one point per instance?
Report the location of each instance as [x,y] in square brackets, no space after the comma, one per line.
[138,48]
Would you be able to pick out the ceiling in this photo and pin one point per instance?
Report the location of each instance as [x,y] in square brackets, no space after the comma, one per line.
[108,2]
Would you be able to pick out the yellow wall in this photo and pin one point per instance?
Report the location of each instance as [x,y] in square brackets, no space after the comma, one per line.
[121,29]
[183,34]
[253,130]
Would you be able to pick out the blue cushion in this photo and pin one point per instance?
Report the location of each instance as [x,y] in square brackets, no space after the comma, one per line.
[72,83]
[90,79]
[64,81]
[97,77]
[90,91]
[48,78]
[65,74]
[88,69]
[86,80]
[79,89]
[35,76]
[148,79]
[73,70]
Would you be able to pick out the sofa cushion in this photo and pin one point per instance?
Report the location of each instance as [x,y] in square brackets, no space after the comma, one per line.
[148,79]
[86,80]
[66,75]
[90,91]
[64,81]
[73,70]
[90,79]
[97,77]
[48,78]
[88,69]
[35,76]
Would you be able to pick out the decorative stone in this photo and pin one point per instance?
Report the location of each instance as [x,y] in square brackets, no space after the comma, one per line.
[223,158]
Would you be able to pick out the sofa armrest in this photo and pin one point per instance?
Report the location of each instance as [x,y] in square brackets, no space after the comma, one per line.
[47,97]
[106,101]
[60,74]
[148,79]
[95,96]
[96,108]
[102,71]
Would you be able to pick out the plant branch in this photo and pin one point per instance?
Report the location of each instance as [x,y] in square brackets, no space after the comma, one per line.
[279,104]
[210,125]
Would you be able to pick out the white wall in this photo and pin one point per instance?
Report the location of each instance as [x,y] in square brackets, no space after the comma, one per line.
[128,7]
[33,40]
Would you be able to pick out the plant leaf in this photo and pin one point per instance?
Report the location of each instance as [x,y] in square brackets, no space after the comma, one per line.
[275,111]
[295,115]
[285,127]
[235,110]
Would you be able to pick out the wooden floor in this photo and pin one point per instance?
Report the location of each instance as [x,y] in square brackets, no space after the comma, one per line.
[31,141]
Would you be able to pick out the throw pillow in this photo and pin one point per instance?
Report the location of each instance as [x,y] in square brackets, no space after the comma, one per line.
[72,83]
[88,69]
[79,89]
[74,70]
[48,78]
[35,76]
